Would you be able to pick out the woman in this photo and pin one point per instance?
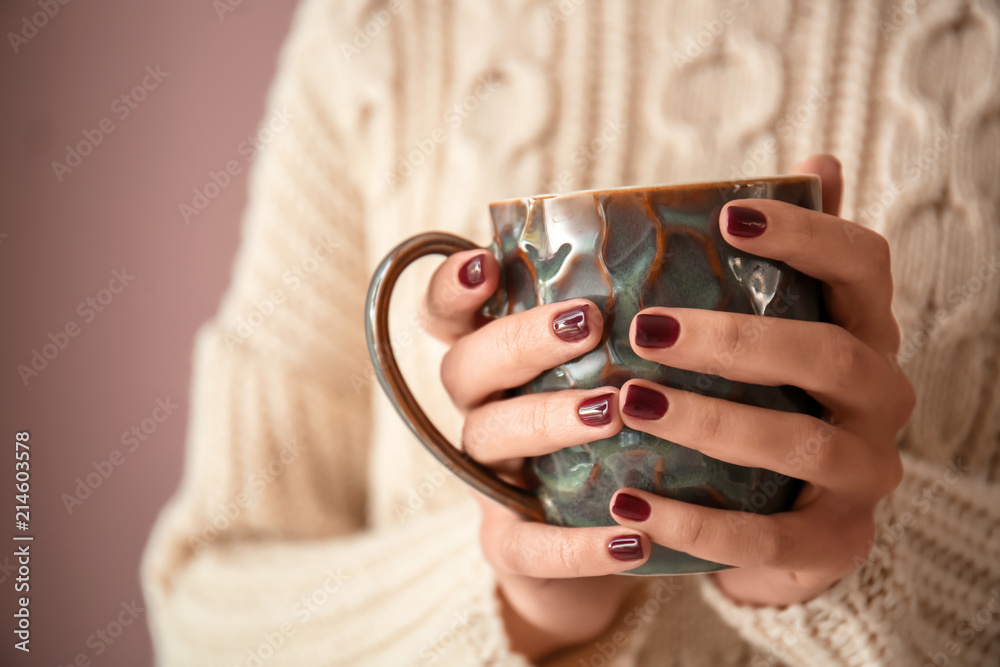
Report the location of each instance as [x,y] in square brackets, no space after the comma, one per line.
[311,528]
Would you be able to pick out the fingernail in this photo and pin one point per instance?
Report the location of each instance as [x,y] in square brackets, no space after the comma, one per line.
[572,325]
[656,330]
[626,547]
[631,507]
[745,222]
[644,403]
[471,273]
[596,411]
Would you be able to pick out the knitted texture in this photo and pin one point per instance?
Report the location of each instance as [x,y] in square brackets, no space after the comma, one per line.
[310,528]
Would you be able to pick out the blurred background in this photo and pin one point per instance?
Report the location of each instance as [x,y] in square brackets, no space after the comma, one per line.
[113,114]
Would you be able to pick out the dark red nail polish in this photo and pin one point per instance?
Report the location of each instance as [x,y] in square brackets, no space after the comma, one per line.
[631,507]
[626,547]
[572,325]
[644,403]
[656,330]
[745,222]
[471,273]
[596,411]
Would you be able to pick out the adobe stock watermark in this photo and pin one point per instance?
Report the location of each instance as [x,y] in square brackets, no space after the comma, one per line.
[758,158]
[377,21]
[966,630]
[253,488]
[695,45]
[294,277]
[434,648]
[901,12]
[454,117]
[960,297]
[913,168]
[417,497]
[58,341]
[131,440]
[792,633]
[121,108]
[247,150]
[922,502]
[637,618]
[587,153]
[796,460]
[272,642]
[563,10]
[102,638]
[750,331]
[224,7]
[30,25]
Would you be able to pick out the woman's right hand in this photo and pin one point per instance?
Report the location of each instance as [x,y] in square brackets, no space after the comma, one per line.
[553,585]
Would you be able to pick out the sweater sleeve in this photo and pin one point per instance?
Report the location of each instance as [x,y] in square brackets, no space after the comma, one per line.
[264,555]
[928,593]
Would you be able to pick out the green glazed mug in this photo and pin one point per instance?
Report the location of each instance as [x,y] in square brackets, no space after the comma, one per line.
[624,249]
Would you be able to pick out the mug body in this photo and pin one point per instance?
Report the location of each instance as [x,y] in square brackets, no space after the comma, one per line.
[625,250]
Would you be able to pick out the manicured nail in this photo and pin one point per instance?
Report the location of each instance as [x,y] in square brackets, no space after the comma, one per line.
[626,547]
[745,222]
[644,403]
[596,411]
[471,273]
[572,325]
[631,507]
[656,330]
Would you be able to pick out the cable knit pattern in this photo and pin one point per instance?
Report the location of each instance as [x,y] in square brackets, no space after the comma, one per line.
[311,529]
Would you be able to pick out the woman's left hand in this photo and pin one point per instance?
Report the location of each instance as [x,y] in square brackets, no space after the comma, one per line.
[849,460]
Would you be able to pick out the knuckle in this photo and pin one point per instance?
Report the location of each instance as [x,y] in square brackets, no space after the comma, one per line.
[895,337]
[770,543]
[843,355]
[816,445]
[513,555]
[536,418]
[881,255]
[472,435]
[906,402]
[512,339]
[448,373]
[566,555]
[710,422]
[726,336]
[689,530]
[893,470]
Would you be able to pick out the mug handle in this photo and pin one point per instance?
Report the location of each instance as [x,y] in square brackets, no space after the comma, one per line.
[389,376]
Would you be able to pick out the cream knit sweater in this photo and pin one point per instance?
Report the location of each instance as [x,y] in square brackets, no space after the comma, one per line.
[311,529]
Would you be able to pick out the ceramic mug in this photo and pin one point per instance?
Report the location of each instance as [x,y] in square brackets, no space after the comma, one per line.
[624,249]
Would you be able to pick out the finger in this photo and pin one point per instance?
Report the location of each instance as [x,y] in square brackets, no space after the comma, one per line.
[514,546]
[836,368]
[515,349]
[812,538]
[539,424]
[828,168]
[788,443]
[457,291]
[851,259]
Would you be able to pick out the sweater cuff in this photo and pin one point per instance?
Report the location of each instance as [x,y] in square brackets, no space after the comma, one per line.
[830,630]
[932,561]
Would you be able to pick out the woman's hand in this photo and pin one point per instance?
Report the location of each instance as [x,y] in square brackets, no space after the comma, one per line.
[552,590]
[849,460]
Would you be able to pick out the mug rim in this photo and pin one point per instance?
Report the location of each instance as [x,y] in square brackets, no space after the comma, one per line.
[689,185]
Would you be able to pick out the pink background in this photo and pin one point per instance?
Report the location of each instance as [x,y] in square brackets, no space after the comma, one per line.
[118,208]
